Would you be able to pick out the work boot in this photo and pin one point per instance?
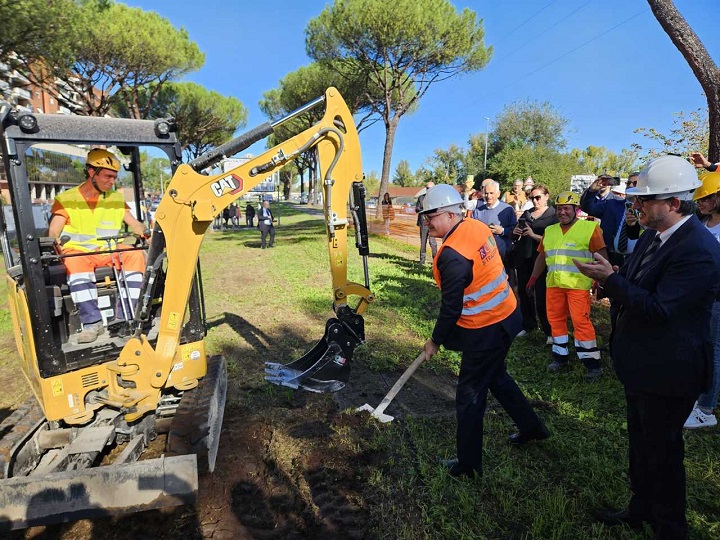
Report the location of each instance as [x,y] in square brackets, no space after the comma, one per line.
[90,332]
[457,470]
[555,366]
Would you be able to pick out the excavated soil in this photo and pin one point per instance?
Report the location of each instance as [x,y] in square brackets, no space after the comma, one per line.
[291,464]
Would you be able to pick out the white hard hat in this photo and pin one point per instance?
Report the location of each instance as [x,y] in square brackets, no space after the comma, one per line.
[442,196]
[666,177]
[620,188]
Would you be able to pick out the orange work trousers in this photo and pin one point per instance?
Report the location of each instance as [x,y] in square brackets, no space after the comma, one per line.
[573,302]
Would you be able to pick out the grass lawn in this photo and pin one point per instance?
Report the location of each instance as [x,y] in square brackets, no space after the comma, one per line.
[272,305]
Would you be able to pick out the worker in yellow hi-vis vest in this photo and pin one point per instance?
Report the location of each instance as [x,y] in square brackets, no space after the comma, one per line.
[568,291]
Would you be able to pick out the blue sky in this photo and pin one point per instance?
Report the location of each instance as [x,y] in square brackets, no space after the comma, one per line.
[606,65]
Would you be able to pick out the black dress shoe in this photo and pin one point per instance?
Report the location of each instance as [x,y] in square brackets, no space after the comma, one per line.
[456,470]
[620,517]
[522,437]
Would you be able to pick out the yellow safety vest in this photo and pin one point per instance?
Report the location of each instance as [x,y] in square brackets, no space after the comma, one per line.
[488,299]
[86,225]
[561,249]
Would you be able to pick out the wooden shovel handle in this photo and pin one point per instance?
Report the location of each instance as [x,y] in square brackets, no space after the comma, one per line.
[399,384]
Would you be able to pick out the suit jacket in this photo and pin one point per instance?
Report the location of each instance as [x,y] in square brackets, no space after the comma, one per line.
[661,338]
[263,214]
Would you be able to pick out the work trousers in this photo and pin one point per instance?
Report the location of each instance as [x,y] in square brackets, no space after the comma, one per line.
[264,231]
[482,370]
[424,237]
[81,280]
[576,303]
[533,308]
[656,451]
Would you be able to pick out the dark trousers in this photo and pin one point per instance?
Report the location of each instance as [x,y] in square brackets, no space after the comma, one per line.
[532,307]
[480,371]
[424,237]
[657,451]
[264,230]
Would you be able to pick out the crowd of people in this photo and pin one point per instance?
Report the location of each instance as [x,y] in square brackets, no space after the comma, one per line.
[646,246]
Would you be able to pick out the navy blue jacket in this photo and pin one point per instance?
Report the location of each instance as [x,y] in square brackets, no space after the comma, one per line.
[610,211]
[661,340]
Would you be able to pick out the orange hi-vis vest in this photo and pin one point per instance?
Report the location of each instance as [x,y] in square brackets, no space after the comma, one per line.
[488,299]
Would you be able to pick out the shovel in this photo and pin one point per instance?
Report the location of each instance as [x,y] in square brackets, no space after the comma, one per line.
[379,411]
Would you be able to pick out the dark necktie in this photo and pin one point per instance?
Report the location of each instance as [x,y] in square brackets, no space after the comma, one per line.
[647,257]
[623,238]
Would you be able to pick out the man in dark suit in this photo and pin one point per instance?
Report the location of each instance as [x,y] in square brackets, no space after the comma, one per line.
[478,316]
[661,349]
[265,224]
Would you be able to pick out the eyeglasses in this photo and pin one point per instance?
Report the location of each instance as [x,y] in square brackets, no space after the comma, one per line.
[427,218]
[642,199]
[536,197]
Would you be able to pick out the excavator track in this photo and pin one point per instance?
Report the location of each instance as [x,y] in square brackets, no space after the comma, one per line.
[15,430]
[196,426]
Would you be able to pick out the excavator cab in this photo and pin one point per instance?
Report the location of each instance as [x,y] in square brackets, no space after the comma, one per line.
[149,373]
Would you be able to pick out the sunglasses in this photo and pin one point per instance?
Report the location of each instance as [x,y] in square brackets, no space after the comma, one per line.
[536,197]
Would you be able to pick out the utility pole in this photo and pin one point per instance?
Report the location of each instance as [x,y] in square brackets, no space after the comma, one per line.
[487,128]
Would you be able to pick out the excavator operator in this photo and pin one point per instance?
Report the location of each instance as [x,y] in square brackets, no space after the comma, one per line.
[82,215]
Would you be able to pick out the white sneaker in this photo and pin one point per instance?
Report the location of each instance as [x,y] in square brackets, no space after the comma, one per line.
[522,333]
[549,341]
[699,419]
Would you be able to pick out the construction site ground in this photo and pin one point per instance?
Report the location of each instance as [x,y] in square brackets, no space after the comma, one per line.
[289,465]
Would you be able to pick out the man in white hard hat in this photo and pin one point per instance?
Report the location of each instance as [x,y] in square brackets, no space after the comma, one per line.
[478,316]
[661,304]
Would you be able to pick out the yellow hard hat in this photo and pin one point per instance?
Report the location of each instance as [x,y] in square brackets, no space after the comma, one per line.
[710,185]
[102,159]
[567,197]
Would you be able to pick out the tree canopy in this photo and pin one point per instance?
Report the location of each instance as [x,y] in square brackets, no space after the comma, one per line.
[120,51]
[34,28]
[401,48]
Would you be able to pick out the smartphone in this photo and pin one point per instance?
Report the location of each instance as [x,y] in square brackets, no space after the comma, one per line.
[522,223]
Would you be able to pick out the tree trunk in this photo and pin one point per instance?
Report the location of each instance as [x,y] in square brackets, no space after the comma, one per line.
[390,130]
[697,57]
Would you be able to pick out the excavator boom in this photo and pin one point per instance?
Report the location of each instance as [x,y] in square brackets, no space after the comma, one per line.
[151,374]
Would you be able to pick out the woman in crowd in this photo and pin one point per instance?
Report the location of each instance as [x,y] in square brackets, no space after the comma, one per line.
[527,234]
[708,201]
[388,213]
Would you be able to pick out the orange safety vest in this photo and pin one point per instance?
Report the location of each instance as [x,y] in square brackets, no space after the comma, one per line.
[488,299]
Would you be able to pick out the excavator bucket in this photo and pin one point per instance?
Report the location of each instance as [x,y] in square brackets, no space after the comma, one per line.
[326,367]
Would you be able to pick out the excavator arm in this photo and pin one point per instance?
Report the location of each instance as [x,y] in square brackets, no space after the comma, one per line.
[191,202]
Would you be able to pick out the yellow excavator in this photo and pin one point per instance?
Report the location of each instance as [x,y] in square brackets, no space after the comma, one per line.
[75,450]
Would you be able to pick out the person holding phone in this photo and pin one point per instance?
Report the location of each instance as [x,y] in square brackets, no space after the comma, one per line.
[611,212]
[527,235]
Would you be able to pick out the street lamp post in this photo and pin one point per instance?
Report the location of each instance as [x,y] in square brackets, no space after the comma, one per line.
[487,128]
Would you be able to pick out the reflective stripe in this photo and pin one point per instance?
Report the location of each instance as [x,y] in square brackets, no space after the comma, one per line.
[83,295]
[490,287]
[560,345]
[106,232]
[81,277]
[587,349]
[563,268]
[496,300]
[575,253]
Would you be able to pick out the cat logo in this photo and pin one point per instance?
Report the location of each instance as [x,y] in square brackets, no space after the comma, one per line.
[231,184]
